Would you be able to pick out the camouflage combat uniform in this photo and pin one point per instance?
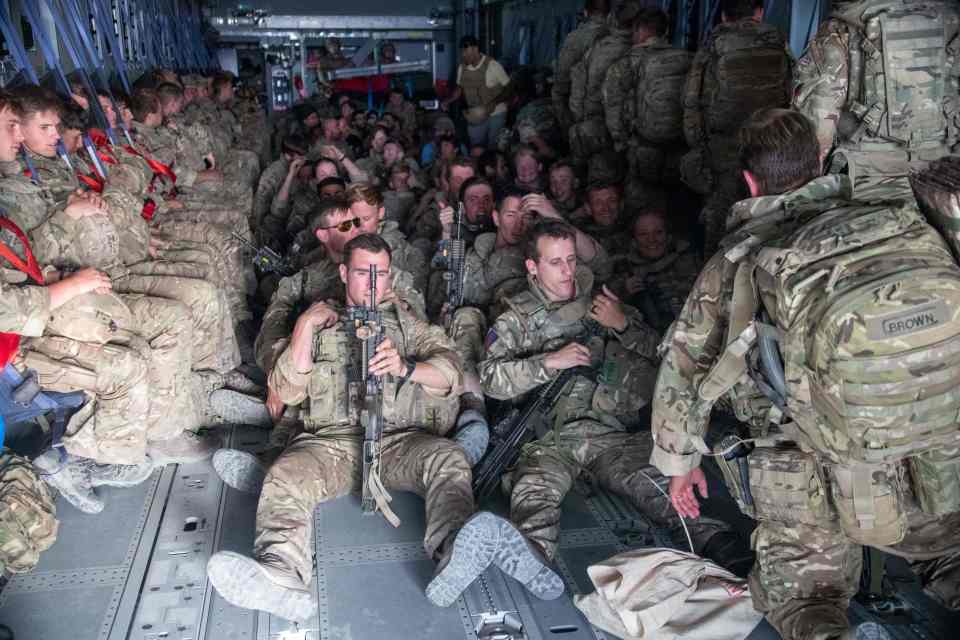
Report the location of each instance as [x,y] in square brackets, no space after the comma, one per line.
[757,65]
[875,145]
[667,281]
[591,417]
[574,48]
[270,182]
[324,462]
[807,568]
[28,515]
[590,142]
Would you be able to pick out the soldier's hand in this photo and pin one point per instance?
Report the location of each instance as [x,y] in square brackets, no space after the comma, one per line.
[174,204]
[211,160]
[320,316]
[274,404]
[84,208]
[387,360]
[570,356]
[295,165]
[446,218]
[635,284]
[332,153]
[536,203]
[93,198]
[682,495]
[87,280]
[607,311]
[209,175]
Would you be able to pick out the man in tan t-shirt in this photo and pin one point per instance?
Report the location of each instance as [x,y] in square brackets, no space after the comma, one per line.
[483,83]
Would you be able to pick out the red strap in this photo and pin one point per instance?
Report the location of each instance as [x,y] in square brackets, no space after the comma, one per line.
[94,183]
[31,267]
[149,208]
[99,137]
[156,166]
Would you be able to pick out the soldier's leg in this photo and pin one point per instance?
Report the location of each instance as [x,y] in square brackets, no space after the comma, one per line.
[214,342]
[112,430]
[804,578]
[541,481]
[728,188]
[167,327]
[310,471]
[932,545]
[436,469]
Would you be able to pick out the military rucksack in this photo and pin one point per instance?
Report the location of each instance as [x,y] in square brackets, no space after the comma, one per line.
[657,100]
[901,53]
[749,68]
[847,315]
[28,520]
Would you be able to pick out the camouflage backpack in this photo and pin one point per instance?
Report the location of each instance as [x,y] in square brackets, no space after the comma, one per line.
[749,69]
[865,305]
[28,521]
[661,72]
[901,53]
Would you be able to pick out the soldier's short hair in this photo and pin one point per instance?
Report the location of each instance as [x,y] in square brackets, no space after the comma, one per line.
[779,147]
[8,101]
[294,144]
[525,150]
[320,217]
[470,183]
[469,41]
[143,103]
[72,116]
[326,182]
[562,163]
[626,14]
[34,100]
[597,7]
[222,79]
[459,161]
[168,92]
[653,19]
[364,192]
[547,228]
[369,242]
[737,9]
[601,185]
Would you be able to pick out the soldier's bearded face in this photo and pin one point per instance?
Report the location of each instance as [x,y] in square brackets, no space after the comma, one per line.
[356,275]
[478,202]
[561,183]
[41,132]
[11,135]
[650,233]
[604,206]
[556,268]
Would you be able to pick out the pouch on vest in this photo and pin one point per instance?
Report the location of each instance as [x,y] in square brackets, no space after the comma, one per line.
[869,500]
[935,477]
[417,408]
[786,486]
[624,382]
[333,392]
[92,317]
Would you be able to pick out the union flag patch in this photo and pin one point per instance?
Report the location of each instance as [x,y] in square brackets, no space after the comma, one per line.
[490,339]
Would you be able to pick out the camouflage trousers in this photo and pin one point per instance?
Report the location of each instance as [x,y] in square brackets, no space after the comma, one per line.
[805,576]
[228,203]
[728,188]
[242,166]
[314,469]
[214,341]
[467,330]
[611,459]
[28,515]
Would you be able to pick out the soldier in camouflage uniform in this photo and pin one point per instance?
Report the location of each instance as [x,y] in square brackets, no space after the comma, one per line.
[744,66]
[28,515]
[590,143]
[656,271]
[575,47]
[808,565]
[564,188]
[423,227]
[419,371]
[293,148]
[405,112]
[876,137]
[545,331]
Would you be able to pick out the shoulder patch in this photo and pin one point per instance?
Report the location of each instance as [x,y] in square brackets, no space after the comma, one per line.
[490,339]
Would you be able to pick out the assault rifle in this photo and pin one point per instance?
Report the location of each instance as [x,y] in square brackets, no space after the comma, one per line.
[453,258]
[523,425]
[265,259]
[367,326]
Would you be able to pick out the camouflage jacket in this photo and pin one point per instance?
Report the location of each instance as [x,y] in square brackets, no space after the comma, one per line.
[292,214]
[519,341]
[180,146]
[617,91]
[666,281]
[317,282]
[407,115]
[492,273]
[24,306]
[405,256]
[587,84]
[574,48]
[680,416]
[332,386]
[270,182]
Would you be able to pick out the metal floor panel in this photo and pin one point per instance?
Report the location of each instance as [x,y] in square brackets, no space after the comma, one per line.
[137,572]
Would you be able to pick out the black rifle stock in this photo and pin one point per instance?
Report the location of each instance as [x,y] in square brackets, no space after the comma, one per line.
[266,259]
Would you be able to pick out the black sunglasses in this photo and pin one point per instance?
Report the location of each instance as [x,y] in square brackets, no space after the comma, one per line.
[344,226]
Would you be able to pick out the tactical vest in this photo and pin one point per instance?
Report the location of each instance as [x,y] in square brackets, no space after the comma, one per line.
[475,89]
[902,57]
[864,301]
[657,94]
[748,71]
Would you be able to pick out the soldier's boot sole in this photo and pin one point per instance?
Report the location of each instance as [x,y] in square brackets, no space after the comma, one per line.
[244,582]
[473,551]
[473,435]
[239,408]
[240,470]
[518,559]
[73,484]
[186,448]
[123,475]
